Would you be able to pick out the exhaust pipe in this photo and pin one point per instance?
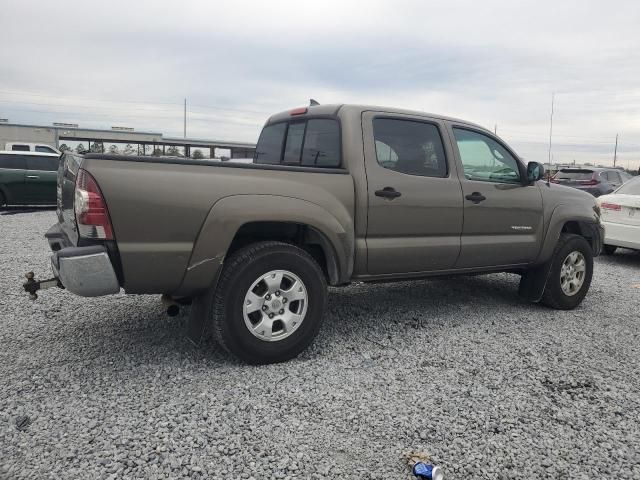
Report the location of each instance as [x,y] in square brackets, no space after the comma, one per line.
[173,308]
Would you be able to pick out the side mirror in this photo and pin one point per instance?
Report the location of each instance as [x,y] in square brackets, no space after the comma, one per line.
[535,171]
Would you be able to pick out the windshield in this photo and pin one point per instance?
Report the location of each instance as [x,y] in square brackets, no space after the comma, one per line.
[574,175]
[632,187]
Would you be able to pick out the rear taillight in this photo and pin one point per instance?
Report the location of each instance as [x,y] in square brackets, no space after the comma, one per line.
[610,206]
[593,181]
[91,211]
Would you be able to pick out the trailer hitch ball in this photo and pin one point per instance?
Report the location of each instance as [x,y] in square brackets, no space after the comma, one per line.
[31,286]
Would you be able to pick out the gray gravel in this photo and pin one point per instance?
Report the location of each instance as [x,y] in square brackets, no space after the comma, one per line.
[461,369]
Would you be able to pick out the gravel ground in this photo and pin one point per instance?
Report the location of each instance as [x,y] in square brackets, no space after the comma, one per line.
[461,369]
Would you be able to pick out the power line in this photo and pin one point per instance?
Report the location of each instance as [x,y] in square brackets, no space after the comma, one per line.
[197,116]
[137,102]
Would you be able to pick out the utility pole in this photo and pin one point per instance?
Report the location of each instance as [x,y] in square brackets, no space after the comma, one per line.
[495,129]
[553,95]
[615,151]
[185,118]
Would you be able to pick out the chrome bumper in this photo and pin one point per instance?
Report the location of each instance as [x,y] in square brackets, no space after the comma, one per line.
[85,271]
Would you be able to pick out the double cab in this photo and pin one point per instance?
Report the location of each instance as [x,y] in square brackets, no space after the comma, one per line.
[335,194]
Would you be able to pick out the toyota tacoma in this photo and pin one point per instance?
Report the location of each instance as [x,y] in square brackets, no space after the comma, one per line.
[336,194]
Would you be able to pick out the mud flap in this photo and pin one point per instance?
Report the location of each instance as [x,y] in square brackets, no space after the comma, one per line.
[533,282]
[199,318]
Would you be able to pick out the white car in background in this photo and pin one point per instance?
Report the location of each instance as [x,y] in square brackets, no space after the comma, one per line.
[31,147]
[620,212]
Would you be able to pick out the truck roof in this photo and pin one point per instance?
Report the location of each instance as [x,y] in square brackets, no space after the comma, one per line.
[334,109]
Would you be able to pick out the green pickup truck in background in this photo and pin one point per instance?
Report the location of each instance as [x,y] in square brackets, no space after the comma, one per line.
[28,178]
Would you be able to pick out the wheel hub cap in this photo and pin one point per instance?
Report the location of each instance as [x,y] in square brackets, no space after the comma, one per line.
[275,305]
[572,273]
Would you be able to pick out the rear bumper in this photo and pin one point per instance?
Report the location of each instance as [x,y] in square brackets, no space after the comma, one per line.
[620,235]
[85,271]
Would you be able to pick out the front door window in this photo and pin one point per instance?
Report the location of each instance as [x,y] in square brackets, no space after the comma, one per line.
[484,159]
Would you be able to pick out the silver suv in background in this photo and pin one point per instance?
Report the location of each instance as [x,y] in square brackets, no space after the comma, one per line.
[596,181]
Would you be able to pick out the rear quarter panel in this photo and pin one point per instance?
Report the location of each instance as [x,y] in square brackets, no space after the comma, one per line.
[160,210]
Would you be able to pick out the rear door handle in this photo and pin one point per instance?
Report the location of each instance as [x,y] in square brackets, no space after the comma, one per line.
[476,197]
[33,176]
[388,192]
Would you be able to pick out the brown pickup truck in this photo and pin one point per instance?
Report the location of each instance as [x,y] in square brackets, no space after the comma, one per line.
[336,193]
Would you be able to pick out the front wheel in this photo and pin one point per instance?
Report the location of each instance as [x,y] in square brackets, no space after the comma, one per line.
[570,274]
[269,302]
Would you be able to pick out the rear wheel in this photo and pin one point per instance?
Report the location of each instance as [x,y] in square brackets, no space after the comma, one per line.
[2,200]
[269,302]
[570,274]
[609,249]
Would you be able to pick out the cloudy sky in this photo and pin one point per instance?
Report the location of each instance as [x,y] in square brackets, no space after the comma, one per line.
[492,62]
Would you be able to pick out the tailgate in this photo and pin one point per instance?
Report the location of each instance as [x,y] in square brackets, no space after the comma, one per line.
[67,172]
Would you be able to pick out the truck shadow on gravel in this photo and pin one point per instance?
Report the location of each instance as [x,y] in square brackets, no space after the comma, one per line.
[139,330]
[622,257]
[20,210]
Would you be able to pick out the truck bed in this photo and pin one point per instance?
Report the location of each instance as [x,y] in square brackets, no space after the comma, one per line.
[161,211]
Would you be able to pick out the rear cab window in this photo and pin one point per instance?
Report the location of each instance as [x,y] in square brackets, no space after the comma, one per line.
[269,147]
[20,148]
[313,142]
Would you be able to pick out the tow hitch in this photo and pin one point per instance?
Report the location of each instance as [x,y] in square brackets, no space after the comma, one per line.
[31,286]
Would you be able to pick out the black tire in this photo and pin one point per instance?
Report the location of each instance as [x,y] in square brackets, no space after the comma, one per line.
[554,296]
[609,249]
[240,271]
[2,200]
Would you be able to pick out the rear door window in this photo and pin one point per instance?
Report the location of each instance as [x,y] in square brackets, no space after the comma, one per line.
[43,164]
[269,147]
[13,162]
[410,147]
[614,177]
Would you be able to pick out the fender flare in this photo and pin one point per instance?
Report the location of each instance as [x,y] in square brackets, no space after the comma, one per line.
[230,213]
[585,217]
[534,280]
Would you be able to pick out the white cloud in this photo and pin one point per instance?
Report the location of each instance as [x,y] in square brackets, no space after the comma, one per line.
[489,62]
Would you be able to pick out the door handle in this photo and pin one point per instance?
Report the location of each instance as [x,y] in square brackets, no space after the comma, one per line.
[33,176]
[388,192]
[476,197]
